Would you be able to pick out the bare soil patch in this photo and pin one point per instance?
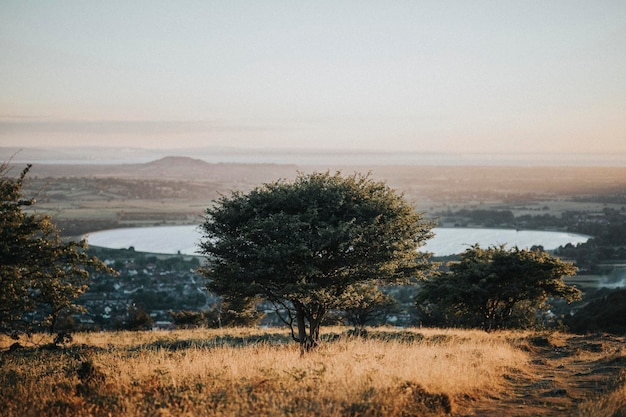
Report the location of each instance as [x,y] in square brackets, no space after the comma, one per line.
[565,371]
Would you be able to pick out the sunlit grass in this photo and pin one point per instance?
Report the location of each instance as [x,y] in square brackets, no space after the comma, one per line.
[255,372]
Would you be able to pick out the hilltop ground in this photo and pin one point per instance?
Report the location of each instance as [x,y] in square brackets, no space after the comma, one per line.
[383,372]
[567,375]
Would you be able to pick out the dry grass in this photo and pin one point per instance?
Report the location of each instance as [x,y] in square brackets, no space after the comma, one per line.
[611,405]
[387,372]
[248,372]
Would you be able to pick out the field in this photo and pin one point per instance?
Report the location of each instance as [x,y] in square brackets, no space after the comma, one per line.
[86,198]
[380,372]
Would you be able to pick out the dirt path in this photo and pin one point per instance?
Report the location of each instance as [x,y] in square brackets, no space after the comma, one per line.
[564,372]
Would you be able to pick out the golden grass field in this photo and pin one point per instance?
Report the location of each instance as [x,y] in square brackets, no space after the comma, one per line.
[260,372]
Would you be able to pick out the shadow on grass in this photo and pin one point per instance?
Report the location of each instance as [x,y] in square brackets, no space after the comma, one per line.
[237,341]
[77,351]
[401,336]
[266,339]
[282,339]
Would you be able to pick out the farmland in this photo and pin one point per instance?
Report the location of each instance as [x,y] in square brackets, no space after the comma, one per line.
[84,198]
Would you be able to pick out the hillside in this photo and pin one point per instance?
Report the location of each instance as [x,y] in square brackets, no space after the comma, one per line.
[383,372]
[173,168]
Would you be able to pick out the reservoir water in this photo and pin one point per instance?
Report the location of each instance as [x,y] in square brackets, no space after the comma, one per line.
[447,241]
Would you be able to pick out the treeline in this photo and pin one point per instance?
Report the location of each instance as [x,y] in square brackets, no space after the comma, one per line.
[442,302]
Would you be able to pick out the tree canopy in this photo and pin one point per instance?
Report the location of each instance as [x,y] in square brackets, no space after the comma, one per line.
[303,244]
[495,288]
[40,274]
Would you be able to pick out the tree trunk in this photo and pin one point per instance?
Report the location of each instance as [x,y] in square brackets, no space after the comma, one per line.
[54,317]
[307,341]
[300,320]
[315,322]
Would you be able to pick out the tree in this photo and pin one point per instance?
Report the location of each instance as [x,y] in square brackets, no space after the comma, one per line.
[138,319]
[239,312]
[496,288]
[365,303]
[187,319]
[302,244]
[40,274]
[606,313]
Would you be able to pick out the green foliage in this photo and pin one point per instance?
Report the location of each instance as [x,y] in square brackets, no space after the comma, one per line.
[40,275]
[303,244]
[187,319]
[365,304]
[239,312]
[495,288]
[603,314]
[138,319]
[229,313]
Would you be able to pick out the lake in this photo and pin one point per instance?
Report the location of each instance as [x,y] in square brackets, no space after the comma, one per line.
[447,241]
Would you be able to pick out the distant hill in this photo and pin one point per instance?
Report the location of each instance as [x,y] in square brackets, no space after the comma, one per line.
[424,184]
[172,168]
[170,161]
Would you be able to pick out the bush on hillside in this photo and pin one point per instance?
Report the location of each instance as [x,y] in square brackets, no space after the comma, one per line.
[605,314]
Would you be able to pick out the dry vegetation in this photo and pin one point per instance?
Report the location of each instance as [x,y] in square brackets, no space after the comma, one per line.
[260,372]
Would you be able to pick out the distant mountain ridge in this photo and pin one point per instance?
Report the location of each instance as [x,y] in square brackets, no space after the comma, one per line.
[170,168]
[423,183]
[175,166]
[170,161]
[302,157]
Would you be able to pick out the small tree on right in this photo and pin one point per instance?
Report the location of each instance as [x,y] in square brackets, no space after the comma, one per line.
[496,288]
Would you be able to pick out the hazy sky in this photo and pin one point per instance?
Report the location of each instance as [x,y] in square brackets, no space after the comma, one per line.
[481,76]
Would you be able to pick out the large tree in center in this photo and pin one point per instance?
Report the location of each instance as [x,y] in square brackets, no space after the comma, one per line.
[303,244]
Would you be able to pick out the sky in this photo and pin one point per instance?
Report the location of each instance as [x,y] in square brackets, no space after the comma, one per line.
[411,76]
